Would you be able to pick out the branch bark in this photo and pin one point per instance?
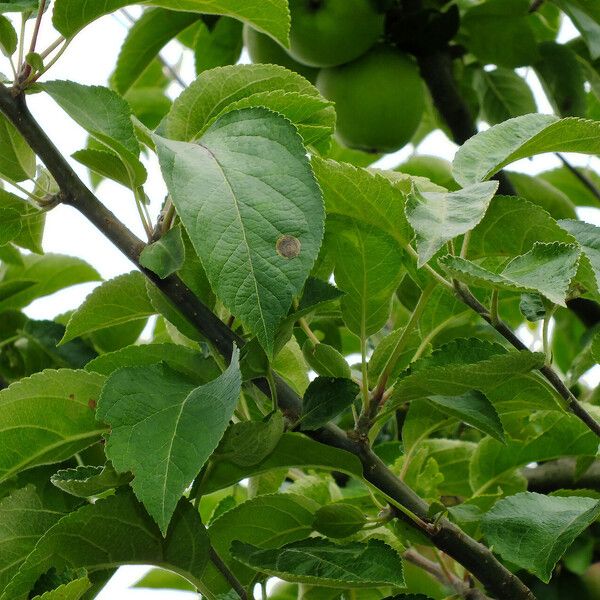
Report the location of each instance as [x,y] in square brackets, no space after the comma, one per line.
[561,474]
[475,557]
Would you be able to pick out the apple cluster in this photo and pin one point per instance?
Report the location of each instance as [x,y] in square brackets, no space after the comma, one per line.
[338,45]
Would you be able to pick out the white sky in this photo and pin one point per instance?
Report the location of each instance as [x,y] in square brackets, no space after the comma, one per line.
[90,60]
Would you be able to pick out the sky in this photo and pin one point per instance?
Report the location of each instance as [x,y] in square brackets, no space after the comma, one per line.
[90,60]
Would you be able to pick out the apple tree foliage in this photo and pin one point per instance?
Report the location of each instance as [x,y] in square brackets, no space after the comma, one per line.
[337,380]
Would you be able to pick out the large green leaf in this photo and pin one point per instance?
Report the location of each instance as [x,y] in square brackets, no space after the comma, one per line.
[488,151]
[438,218]
[259,231]
[47,418]
[585,15]
[322,562]
[268,521]
[368,268]
[47,274]
[269,16]
[113,532]
[533,531]
[105,116]
[153,30]
[163,429]
[554,435]
[17,161]
[24,518]
[31,222]
[222,90]
[503,95]
[293,450]
[547,269]
[119,300]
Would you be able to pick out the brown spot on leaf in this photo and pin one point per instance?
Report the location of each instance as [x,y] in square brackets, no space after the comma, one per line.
[71,396]
[288,246]
[92,404]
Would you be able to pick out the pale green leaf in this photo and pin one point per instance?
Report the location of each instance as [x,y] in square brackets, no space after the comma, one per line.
[555,435]
[166,255]
[503,95]
[488,151]
[293,450]
[117,301]
[47,418]
[104,163]
[588,237]
[10,225]
[438,218]
[259,232]
[269,16]
[17,160]
[192,364]
[267,521]
[164,429]
[113,532]
[19,6]
[225,89]
[474,409]
[146,38]
[585,15]
[85,481]
[105,116]
[325,563]
[8,37]
[325,360]
[31,221]
[74,590]
[547,269]
[533,531]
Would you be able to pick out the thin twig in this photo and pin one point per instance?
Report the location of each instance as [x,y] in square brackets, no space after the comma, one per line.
[226,572]
[535,5]
[36,27]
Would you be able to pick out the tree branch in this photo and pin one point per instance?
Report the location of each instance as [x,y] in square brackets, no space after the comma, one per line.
[548,372]
[561,474]
[475,557]
[226,572]
[582,177]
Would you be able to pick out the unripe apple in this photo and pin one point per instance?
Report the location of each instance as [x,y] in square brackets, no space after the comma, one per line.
[379,100]
[263,49]
[326,33]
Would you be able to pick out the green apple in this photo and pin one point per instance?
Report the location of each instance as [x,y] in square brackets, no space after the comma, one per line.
[263,49]
[327,33]
[379,100]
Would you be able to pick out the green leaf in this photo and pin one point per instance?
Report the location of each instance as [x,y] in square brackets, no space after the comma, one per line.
[192,364]
[324,399]
[50,273]
[488,151]
[462,366]
[339,520]
[104,163]
[19,6]
[153,407]
[325,360]
[259,236]
[500,32]
[368,268]
[117,301]
[10,225]
[293,450]
[502,95]
[222,90]
[438,218]
[547,269]
[219,46]
[269,16]
[105,116]
[532,307]
[585,15]
[474,409]
[325,563]
[266,521]
[47,418]
[8,37]
[24,518]
[249,442]
[74,590]
[562,78]
[544,194]
[86,481]
[166,255]
[113,532]
[17,161]
[533,531]
[146,38]
[596,348]
[31,222]
[588,237]
[554,435]
[568,183]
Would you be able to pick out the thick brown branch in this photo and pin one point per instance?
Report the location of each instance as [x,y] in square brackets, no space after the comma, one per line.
[475,557]
[561,474]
